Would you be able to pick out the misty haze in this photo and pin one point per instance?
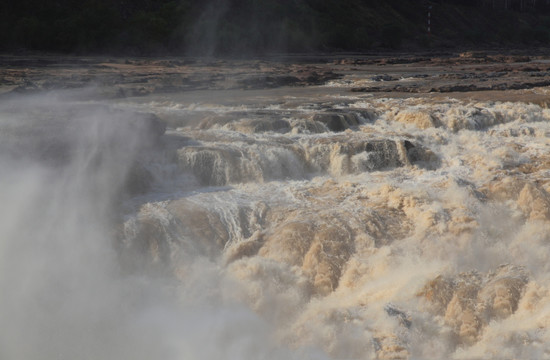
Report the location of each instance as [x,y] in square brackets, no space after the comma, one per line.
[274,180]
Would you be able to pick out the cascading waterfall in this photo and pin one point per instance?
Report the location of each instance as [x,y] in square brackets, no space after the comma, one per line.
[368,228]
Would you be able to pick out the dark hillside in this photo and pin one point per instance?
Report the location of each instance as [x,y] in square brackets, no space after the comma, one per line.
[252,27]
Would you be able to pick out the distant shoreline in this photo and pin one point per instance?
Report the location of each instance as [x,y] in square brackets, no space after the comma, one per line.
[504,75]
[475,51]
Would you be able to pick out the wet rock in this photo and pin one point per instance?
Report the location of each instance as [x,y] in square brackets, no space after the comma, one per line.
[337,122]
[307,126]
[421,156]
[458,88]
[260,125]
[370,89]
[393,311]
[382,154]
[317,77]
[348,156]
[402,60]
[213,121]
[352,155]
[270,81]
[222,165]
[473,55]
[213,166]
[384,77]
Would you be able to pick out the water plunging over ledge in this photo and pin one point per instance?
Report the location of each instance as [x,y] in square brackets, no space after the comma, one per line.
[232,217]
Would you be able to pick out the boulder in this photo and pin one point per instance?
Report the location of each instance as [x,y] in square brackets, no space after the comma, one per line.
[337,122]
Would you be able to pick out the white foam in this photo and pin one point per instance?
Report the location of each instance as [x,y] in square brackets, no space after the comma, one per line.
[317,249]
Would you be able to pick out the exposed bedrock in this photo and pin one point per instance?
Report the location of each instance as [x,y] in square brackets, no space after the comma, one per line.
[275,79]
[299,123]
[338,121]
[283,121]
[226,164]
[223,164]
[246,122]
[251,126]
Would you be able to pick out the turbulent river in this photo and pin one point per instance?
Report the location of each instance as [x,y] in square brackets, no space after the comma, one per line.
[280,222]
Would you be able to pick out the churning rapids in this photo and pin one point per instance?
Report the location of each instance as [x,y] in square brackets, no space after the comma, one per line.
[272,222]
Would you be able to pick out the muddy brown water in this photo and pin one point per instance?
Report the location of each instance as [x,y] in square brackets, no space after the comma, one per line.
[339,207]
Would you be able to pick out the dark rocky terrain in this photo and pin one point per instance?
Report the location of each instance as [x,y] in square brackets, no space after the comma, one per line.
[486,73]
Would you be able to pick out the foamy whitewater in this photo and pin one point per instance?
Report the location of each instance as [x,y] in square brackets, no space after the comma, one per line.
[296,226]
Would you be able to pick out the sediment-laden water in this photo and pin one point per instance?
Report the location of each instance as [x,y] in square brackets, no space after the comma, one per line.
[298,222]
